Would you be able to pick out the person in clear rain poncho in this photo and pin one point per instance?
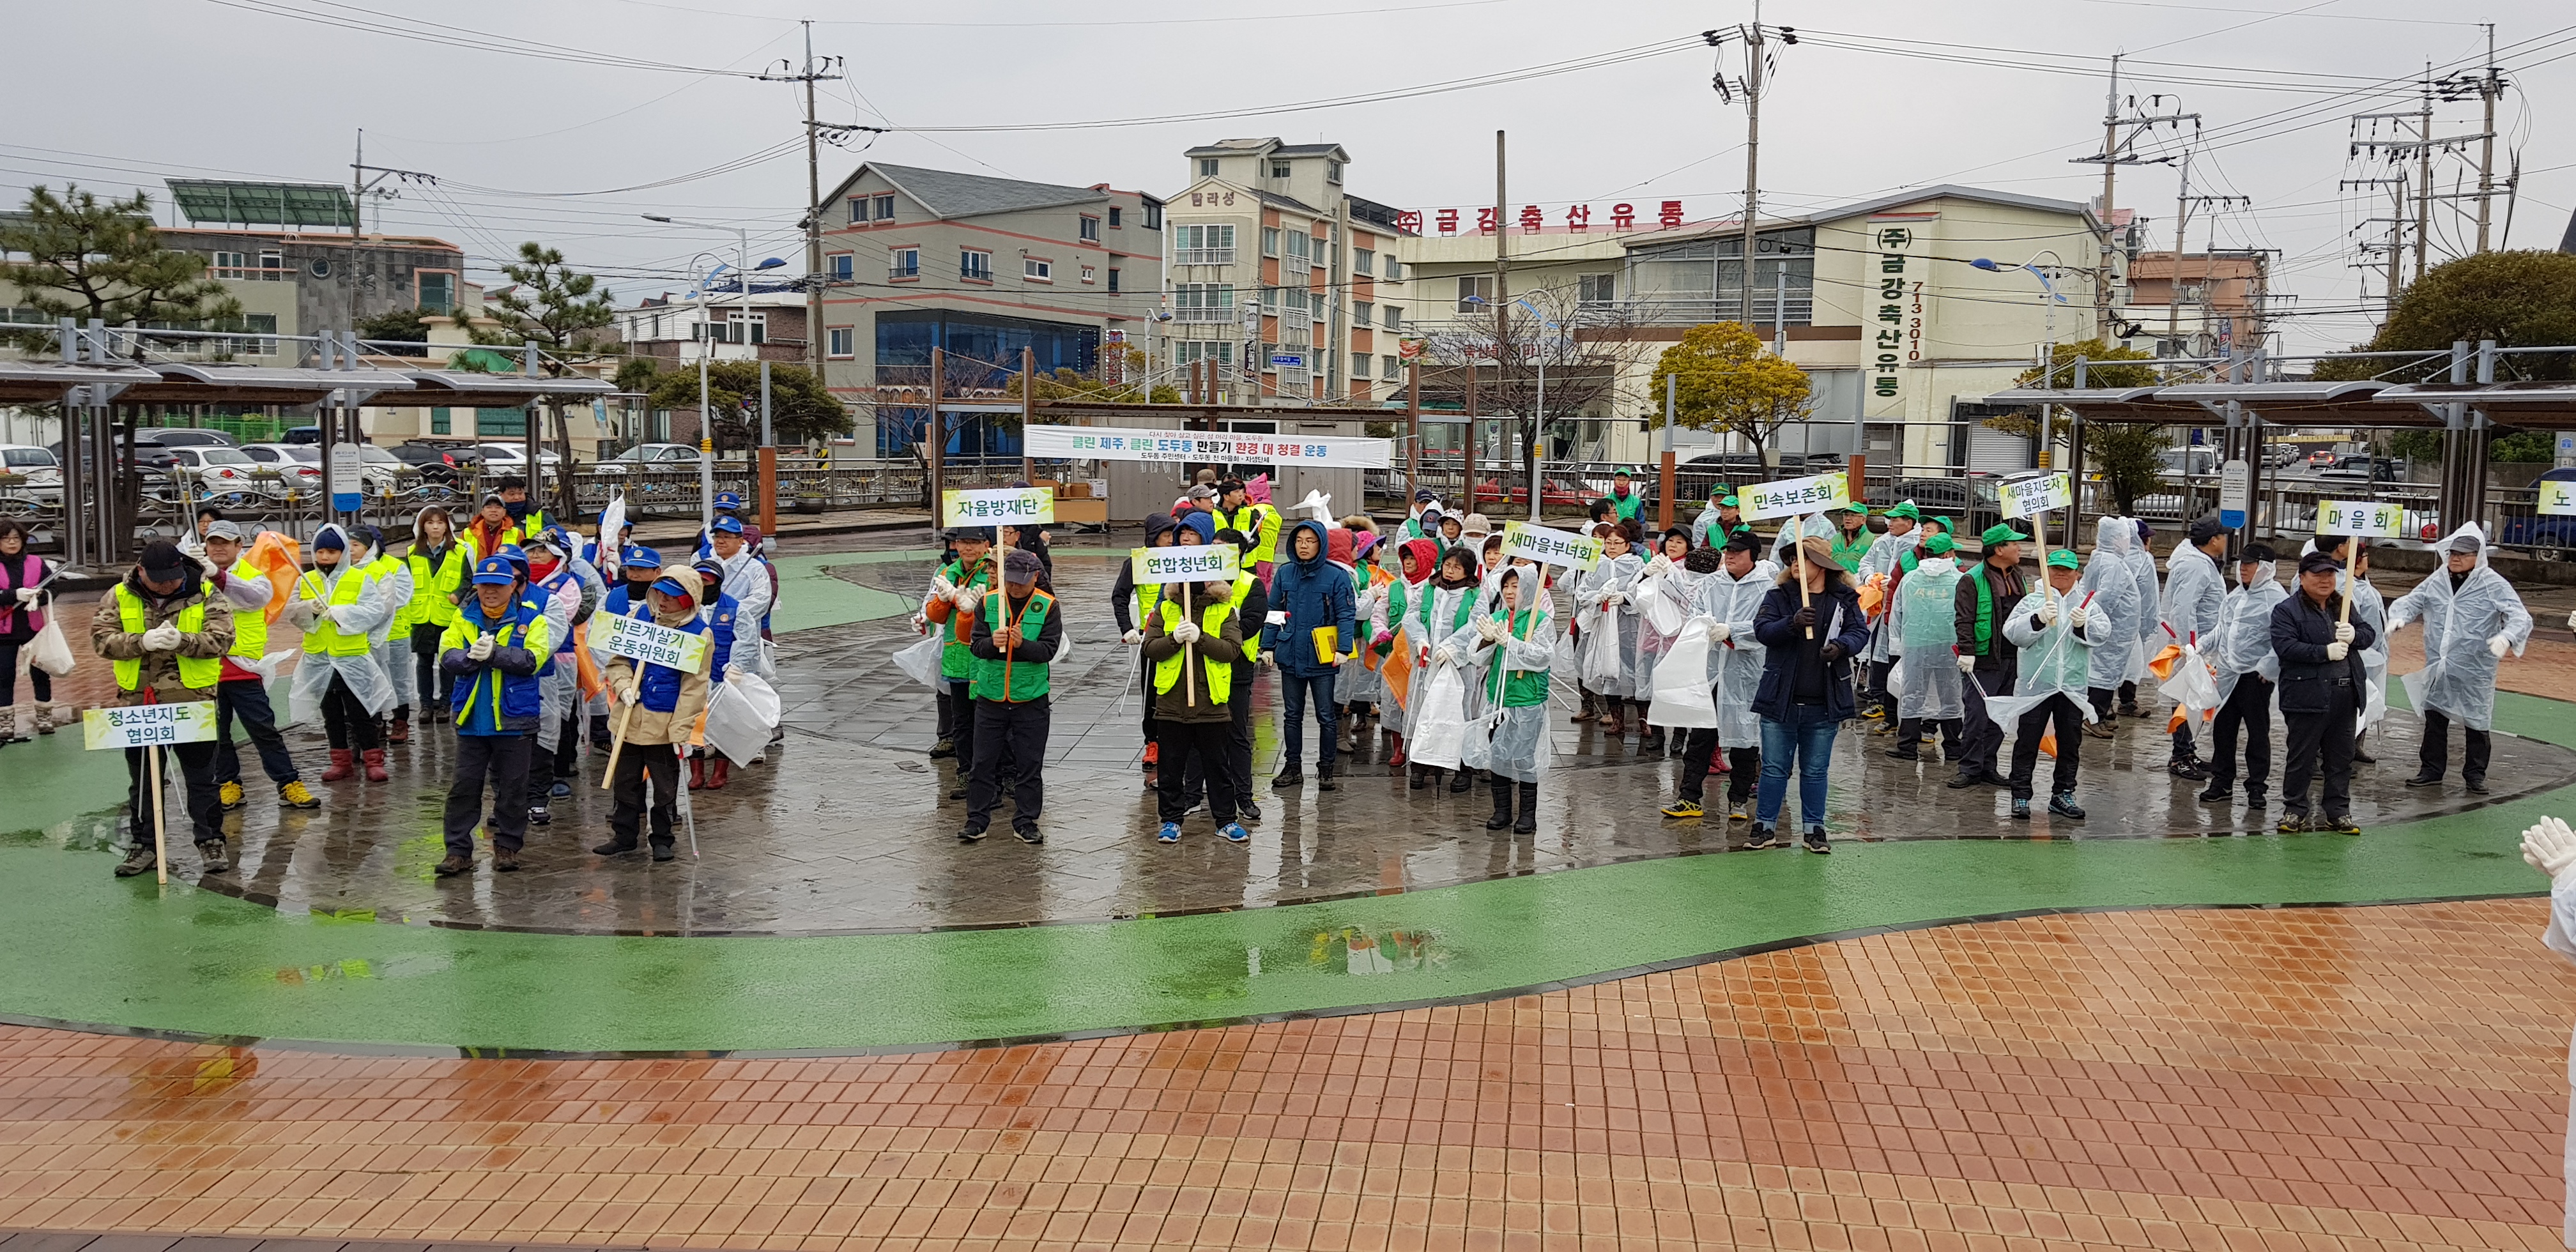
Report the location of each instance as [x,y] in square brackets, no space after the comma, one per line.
[1517,640]
[340,607]
[1731,587]
[1930,690]
[2194,591]
[2111,581]
[2550,847]
[2471,619]
[1665,593]
[1442,609]
[1608,599]
[1879,573]
[2245,670]
[2151,606]
[2054,630]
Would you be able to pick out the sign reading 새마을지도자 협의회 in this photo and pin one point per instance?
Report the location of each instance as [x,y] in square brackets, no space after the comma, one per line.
[147,725]
[2556,499]
[1550,547]
[640,640]
[1791,497]
[1106,443]
[997,506]
[2374,519]
[2021,497]
[1214,563]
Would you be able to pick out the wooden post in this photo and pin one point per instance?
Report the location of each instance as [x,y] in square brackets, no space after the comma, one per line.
[1189,654]
[1468,465]
[2039,531]
[1412,429]
[160,822]
[1028,413]
[1806,598]
[617,743]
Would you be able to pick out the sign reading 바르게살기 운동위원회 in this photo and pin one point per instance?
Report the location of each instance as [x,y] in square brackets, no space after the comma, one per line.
[1217,563]
[148,725]
[1550,547]
[997,506]
[2375,519]
[1789,497]
[640,640]
[1103,443]
[2021,497]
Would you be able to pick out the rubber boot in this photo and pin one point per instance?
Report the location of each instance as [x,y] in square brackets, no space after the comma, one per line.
[1527,823]
[343,764]
[1462,780]
[398,727]
[375,759]
[1396,761]
[1591,705]
[1502,804]
[697,773]
[1421,778]
[718,770]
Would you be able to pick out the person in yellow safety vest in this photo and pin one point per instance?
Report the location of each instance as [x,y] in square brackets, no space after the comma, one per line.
[339,606]
[524,514]
[1195,710]
[439,565]
[242,695]
[392,642]
[165,632]
[1259,523]
[1133,603]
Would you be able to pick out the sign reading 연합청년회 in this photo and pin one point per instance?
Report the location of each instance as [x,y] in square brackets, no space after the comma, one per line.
[1216,563]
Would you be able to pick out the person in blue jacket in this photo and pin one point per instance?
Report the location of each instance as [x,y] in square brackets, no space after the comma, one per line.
[492,651]
[720,611]
[1810,636]
[1308,594]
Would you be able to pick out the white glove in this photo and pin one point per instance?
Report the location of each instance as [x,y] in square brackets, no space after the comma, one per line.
[2344,632]
[920,624]
[1187,632]
[1720,632]
[2338,650]
[1490,627]
[2499,646]
[2549,847]
[2080,618]
[481,649]
[1967,664]
[27,595]
[941,588]
[627,694]
[1660,565]
[161,638]
[970,598]
[2047,614]
[304,613]
[1133,637]
[1615,597]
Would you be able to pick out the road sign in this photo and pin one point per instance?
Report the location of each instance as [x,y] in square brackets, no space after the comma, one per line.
[2021,497]
[1216,563]
[2375,519]
[1550,547]
[2235,493]
[1788,497]
[1288,360]
[147,725]
[640,640]
[1002,506]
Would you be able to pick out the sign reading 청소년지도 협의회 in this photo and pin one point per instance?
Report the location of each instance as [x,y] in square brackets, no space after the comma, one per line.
[1550,547]
[1790,497]
[1105,443]
[997,506]
[2021,497]
[2374,519]
[640,640]
[147,725]
[1214,563]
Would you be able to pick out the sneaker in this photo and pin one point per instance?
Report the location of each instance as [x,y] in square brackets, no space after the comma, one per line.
[1323,780]
[291,794]
[1818,843]
[1962,781]
[137,861]
[538,816]
[1765,837]
[2425,780]
[2361,756]
[560,790]
[216,856]
[1233,832]
[943,748]
[1289,777]
[1683,809]
[2255,799]
[2339,825]
[972,834]
[2291,823]
[1029,835]
[613,847]
[2214,794]
[2190,769]
[454,865]
[2063,804]
[663,851]
[1170,833]
[505,860]
[2100,730]
[1906,753]
[2021,809]
[1742,812]
[957,793]
[1247,811]
[229,795]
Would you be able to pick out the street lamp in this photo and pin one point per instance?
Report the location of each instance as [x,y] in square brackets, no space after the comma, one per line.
[2048,352]
[706,345]
[1541,427]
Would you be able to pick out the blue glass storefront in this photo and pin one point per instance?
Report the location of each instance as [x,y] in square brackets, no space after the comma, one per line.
[983,358]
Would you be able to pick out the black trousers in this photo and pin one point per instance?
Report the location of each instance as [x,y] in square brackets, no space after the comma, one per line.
[961,722]
[502,762]
[1875,690]
[2327,735]
[247,699]
[196,765]
[2101,698]
[1238,753]
[1699,746]
[1201,748]
[1951,730]
[2478,746]
[345,719]
[568,745]
[1984,739]
[2068,725]
[2248,711]
[1010,754]
[638,762]
[426,674]
[539,787]
[38,680]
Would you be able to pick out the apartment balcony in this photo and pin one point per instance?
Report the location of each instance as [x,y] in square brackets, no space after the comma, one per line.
[1203,256]
[1216,313]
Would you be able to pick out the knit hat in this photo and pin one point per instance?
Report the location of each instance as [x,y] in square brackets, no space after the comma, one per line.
[1198,522]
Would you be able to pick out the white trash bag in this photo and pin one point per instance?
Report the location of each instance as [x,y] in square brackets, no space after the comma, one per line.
[1682,698]
[920,661]
[1440,731]
[740,716]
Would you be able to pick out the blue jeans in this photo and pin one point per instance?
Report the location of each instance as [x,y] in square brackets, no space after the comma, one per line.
[1808,735]
[1292,720]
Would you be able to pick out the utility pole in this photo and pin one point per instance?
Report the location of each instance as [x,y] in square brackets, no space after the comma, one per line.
[2208,263]
[2182,225]
[2116,152]
[812,73]
[1502,303]
[2488,85]
[1752,153]
[2424,175]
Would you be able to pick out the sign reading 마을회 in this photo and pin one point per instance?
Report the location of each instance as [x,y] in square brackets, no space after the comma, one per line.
[1550,547]
[2376,519]
[997,506]
[2022,497]
[640,640]
[148,725]
[1103,443]
[1217,563]
[1789,497]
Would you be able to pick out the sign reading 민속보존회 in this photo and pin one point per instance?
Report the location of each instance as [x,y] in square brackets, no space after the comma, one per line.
[1550,547]
[1789,497]
[2021,497]
[640,640]
[1217,563]
[148,725]
[1105,443]
[997,506]
[2376,519]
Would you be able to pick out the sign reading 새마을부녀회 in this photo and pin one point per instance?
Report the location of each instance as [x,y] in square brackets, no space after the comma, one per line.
[1550,547]
[2374,519]
[1214,563]
[2021,497]
[1789,497]
[997,506]
[640,640]
[148,725]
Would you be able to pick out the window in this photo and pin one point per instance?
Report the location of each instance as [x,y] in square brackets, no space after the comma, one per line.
[753,327]
[1297,242]
[1090,274]
[1207,167]
[904,263]
[841,342]
[1473,292]
[838,266]
[1390,367]
[1153,215]
[231,261]
[858,209]
[1113,278]
[975,265]
[1202,302]
[1394,317]
[885,208]
[1293,299]
[1332,171]
[1203,244]
[1280,169]
[1033,268]
[1269,241]
[1362,312]
[1090,229]
[1596,289]
[437,292]
[1192,350]
[439,424]
[1114,213]
[1359,365]
[657,327]
[1394,269]
[1363,261]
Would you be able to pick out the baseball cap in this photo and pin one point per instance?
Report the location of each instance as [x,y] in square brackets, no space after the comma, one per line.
[494,571]
[2205,528]
[1021,567]
[728,526]
[670,586]
[224,530]
[162,561]
[725,500]
[1999,533]
[1423,495]
[2065,558]
[2318,563]
[637,556]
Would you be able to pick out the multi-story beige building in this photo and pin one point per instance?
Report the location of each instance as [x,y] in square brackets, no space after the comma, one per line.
[1296,288]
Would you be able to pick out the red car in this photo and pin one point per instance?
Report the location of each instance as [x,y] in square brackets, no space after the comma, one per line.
[1556,493]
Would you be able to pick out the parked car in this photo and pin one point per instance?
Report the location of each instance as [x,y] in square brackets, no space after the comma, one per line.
[2278,455]
[42,472]
[438,462]
[214,470]
[649,456]
[2369,469]
[298,465]
[185,437]
[301,434]
[2322,458]
[512,459]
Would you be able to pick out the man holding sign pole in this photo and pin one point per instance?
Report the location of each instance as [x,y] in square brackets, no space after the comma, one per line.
[165,632]
[1985,598]
[657,708]
[1015,638]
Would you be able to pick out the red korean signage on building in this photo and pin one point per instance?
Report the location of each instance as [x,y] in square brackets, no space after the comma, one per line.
[1666,215]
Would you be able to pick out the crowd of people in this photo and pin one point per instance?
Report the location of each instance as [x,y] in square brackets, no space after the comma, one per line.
[1432,636]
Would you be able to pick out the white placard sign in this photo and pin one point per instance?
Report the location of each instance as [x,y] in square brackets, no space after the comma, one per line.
[148,725]
[640,640]
[997,506]
[1790,497]
[2375,519]
[2022,497]
[1214,563]
[1550,547]
[2557,499]
[1104,443]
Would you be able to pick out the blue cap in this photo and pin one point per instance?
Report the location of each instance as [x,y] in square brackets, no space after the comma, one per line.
[637,556]
[728,526]
[728,500]
[671,587]
[494,571]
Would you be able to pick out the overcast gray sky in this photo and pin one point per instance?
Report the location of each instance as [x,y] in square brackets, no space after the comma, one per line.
[1879,96]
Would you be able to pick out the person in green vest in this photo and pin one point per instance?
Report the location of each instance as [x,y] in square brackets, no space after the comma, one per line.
[1193,709]
[242,695]
[165,631]
[1987,658]
[1015,638]
[1519,640]
[1624,495]
[956,595]
[1852,539]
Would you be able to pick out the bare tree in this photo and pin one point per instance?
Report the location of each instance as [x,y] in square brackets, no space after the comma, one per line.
[1589,352]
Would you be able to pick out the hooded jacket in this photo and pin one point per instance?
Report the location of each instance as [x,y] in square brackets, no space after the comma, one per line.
[159,682]
[668,700]
[499,694]
[1314,594]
